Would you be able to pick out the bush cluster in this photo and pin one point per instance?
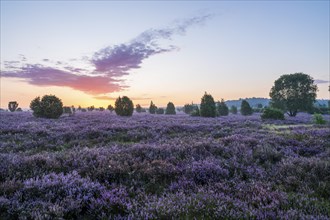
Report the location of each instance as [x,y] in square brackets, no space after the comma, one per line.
[272,113]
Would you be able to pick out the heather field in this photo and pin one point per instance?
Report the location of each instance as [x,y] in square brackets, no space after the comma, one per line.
[96,165]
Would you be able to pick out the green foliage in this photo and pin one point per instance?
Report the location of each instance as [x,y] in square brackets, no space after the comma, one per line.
[233,109]
[48,107]
[152,108]
[138,108]
[222,108]
[208,108]
[170,109]
[124,106]
[189,108]
[160,111]
[110,108]
[318,119]
[272,113]
[195,112]
[101,109]
[67,110]
[12,106]
[293,93]
[91,108]
[246,108]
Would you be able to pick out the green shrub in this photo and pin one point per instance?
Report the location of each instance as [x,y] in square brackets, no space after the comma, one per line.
[160,111]
[195,112]
[272,113]
[246,108]
[222,108]
[233,109]
[138,108]
[48,107]
[110,108]
[318,119]
[152,108]
[208,108]
[67,110]
[124,106]
[170,109]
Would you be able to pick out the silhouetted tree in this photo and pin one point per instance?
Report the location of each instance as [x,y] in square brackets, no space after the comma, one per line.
[208,108]
[293,93]
[233,109]
[110,108]
[222,108]
[124,106]
[152,108]
[160,111]
[246,108]
[12,106]
[138,108]
[170,109]
[48,107]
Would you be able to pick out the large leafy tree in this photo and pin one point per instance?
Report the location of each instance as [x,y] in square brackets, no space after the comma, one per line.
[208,108]
[293,93]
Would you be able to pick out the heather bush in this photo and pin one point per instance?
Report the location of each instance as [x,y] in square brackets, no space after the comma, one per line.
[147,167]
[170,109]
[246,108]
[124,106]
[48,107]
[207,108]
[272,113]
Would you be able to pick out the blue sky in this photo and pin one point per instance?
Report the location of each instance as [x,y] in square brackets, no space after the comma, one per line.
[90,52]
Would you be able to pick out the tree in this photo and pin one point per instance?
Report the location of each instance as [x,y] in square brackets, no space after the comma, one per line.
[246,108]
[110,108]
[189,108]
[91,108]
[233,109]
[124,106]
[170,109]
[207,108]
[48,107]
[138,108]
[12,106]
[293,92]
[222,108]
[160,111]
[152,108]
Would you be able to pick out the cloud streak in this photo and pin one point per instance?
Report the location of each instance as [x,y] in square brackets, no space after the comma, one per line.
[107,65]
[321,81]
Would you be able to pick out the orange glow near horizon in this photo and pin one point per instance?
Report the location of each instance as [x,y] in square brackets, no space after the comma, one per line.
[12,90]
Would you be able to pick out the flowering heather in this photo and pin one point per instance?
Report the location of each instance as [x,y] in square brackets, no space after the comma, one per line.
[96,165]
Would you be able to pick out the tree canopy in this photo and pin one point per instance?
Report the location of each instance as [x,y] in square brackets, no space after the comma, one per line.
[293,93]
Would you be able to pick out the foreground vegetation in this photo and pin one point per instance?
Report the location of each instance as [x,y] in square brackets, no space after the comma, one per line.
[102,166]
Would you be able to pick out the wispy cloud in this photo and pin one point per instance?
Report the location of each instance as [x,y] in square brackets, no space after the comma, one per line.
[107,65]
[109,98]
[321,81]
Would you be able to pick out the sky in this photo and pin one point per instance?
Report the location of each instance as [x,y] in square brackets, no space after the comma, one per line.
[90,52]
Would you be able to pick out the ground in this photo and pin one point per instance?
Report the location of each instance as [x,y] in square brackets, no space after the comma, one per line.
[96,165]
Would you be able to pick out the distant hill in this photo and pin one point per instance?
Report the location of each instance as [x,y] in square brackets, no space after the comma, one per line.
[265,102]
